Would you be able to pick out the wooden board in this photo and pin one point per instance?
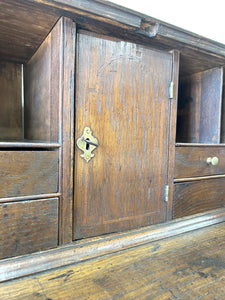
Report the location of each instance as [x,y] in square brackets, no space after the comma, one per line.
[10,101]
[28,226]
[188,266]
[122,95]
[198,196]
[42,89]
[24,173]
[199,107]
[191,161]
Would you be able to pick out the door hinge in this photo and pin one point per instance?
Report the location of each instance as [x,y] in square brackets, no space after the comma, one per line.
[166,193]
[171,90]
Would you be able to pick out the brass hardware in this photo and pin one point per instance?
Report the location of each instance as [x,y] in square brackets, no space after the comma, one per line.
[87,143]
[212,161]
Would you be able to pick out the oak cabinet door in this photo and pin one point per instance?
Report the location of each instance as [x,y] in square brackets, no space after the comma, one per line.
[122,96]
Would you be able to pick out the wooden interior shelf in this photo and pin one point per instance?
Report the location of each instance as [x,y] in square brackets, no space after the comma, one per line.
[28,144]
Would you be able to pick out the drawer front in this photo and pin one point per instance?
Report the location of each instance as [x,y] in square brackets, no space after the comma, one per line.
[28,226]
[24,173]
[198,196]
[192,161]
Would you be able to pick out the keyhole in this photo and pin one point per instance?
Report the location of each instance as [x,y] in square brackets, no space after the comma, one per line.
[87,145]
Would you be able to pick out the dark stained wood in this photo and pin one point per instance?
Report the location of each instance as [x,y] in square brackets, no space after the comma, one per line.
[199,107]
[88,249]
[198,196]
[119,84]
[23,27]
[28,226]
[172,131]
[67,130]
[189,266]
[43,88]
[24,173]
[11,101]
[191,161]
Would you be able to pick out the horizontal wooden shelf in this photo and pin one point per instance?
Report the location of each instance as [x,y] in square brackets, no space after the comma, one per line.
[28,144]
[198,145]
[30,197]
[198,178]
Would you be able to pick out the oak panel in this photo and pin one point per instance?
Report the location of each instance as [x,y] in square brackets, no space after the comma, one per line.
[10,101]
[122,95]
[198,196]
[24,173]
[190,161]
[28,226]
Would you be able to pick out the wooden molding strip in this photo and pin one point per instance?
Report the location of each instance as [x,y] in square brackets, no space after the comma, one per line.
[92,248]
[178,180]
[30,197]
[99,10]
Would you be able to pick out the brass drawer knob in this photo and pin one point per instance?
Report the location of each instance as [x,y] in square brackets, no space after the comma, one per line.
[212,161]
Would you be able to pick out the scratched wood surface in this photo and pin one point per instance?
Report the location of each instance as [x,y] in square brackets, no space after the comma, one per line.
[199,107]
[122,95]
[188,266]
[28,226]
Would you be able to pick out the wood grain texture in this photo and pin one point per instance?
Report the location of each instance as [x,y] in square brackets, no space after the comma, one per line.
[11,101]
[23,28]
[43,89]
[189,266]
[28,226]
[122,95]
[191,161]
[67,130]
[91,248]
[198,196]
[24,173]
[199,107]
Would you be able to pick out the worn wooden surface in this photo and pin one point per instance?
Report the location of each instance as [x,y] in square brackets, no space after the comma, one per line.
[198,196]
[43,88]
[119,85]
[10,101]
[191,161]
[189,266]
[28,226]
[199,107]
[91,248]
[66,134]
[24,173]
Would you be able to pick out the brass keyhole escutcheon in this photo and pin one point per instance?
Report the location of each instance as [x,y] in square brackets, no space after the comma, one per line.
[87,143]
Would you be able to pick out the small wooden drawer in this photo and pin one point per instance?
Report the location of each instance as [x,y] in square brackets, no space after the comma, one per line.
[198,196]
[28,226]
[24,173]
[191,161]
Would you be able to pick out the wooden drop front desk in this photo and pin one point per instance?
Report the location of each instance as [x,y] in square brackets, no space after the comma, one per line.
[112,132]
